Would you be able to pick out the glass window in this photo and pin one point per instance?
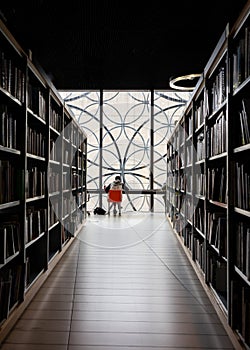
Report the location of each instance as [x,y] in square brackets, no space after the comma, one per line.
[127,135]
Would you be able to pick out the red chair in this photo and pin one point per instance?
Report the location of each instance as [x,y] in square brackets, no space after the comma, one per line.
[114,199]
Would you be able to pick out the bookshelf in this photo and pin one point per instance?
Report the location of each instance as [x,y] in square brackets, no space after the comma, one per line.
[42,179]
[209,176]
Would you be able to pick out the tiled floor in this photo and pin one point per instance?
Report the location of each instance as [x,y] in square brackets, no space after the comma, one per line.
[124,284]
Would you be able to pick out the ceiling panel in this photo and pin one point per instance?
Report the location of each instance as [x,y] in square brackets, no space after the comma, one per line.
[116,44]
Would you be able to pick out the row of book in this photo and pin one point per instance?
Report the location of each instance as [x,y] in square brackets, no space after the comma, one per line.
[181,186]
[36,142]
[75,181]
[181,160]
[199,217]
[182,134]
[242,238]
[177,141]
[56,153]
[67,155]
[173,180]
[217,231]
[217,184]
[9,182]
[183,182]
[198,250]
[189,208]
[71,134]
[55,150]
[67,231]
[200,113]
[83,146]
[200,147]
[241,309]
[170,150]
[55,119]
[9,240]
[72,181]
[36,100]
[245,311]
[67,129]
[80,198]
[78,160]
[177,199]
[217,181]
[36,182]
[242,186]
[70,158]
[8,122]
[200,184]
[82,180]
[60,209]
[10,282]
[54,211]
[217,136]
[71,225]
[244,115]
[12,78]
[188,182]
[69,205]
[217,275]
[217,91]
[75,140]
[188,236]
[189,125]
[175,162]
[36,222]
[189,153]
[170,181]
[241,58]
[216,144]
[54,181]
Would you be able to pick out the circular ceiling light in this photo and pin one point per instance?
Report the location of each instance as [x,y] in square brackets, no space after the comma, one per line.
[188,82]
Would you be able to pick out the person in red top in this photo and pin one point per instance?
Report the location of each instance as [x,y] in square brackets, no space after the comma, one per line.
[115,185]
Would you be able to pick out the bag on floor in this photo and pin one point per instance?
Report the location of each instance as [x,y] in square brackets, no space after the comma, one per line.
[99,211]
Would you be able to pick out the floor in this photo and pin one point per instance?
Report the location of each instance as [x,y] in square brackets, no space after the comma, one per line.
[124,284]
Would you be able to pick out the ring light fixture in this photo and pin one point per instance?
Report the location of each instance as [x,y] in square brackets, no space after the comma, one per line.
[173,81]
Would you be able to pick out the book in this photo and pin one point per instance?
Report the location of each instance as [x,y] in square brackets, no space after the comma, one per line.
[220,278]
[16,275]
[245,120]
[5,283]
[3,239]
[248,253]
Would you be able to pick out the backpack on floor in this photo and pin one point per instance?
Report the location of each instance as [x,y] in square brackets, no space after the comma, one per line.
[99,211]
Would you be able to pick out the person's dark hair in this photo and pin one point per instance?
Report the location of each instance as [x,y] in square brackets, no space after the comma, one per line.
[118,178]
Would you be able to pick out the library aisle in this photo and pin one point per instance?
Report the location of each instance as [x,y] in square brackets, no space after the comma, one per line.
[125,283]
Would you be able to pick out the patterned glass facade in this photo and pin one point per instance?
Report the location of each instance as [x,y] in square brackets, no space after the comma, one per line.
[127,134]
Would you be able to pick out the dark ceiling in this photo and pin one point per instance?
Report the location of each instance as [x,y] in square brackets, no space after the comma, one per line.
[108,44]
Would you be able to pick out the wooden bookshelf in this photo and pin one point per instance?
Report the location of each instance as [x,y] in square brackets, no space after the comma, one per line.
[42,179]
[210,211]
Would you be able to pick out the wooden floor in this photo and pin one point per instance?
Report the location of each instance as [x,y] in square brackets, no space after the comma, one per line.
[124,284]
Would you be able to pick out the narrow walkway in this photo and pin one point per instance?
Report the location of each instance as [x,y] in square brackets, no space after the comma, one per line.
[124,284]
